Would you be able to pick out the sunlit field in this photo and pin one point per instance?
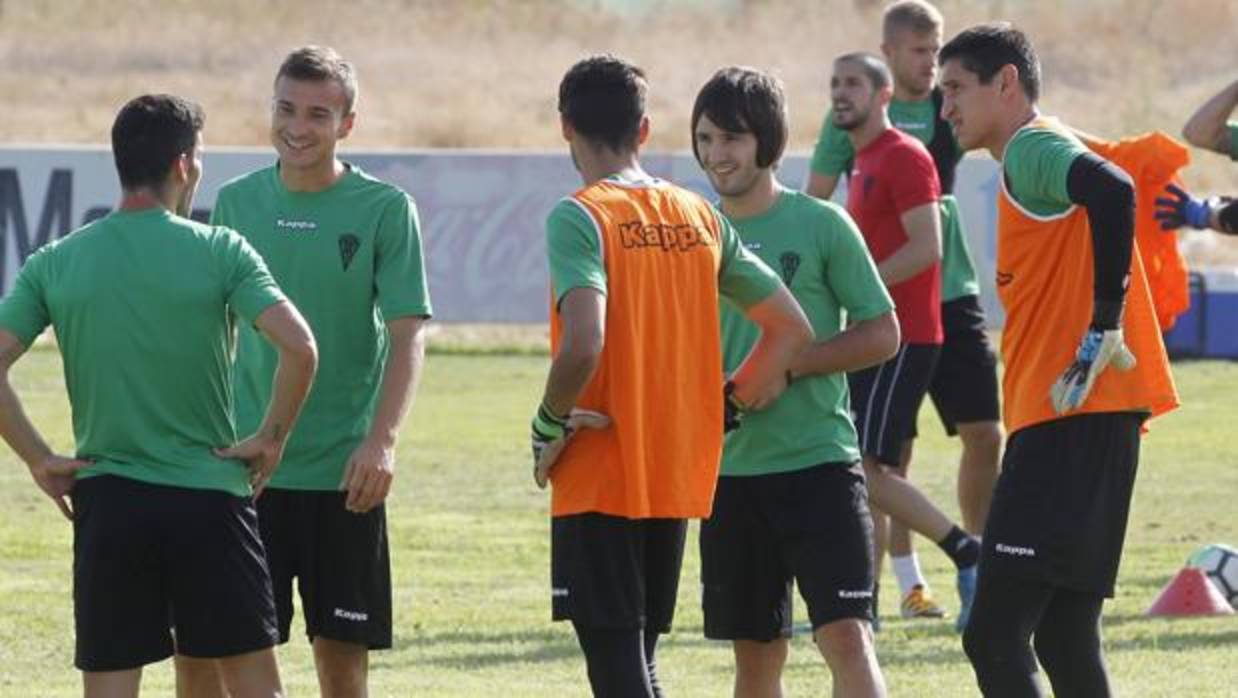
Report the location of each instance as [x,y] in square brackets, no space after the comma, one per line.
[469,536]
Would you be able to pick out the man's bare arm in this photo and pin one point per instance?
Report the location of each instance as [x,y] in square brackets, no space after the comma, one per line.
[371,467]
[282,325]
[1207,126]
[583,314]
[54,474]
[866,343]
[923,248]
[820,185]
[785,332]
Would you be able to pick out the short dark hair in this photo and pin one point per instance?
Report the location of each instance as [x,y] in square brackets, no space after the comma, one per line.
[320,64]
[603,98]
[985,48]
[745,100]
[874,68]
[916,15]
[149,133]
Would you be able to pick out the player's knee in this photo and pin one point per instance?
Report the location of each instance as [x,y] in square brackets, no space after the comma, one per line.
[982,437]
[760,660]
[198,678]
[843,643]
[345,681]
[342,668]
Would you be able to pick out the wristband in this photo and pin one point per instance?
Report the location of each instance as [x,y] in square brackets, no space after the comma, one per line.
[548,425]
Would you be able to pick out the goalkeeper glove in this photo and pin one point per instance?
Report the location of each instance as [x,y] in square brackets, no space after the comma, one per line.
[547,427]
[1182,210]
[1097,350]
[551,434]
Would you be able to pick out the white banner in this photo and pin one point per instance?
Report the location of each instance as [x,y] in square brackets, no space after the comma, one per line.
[482,212]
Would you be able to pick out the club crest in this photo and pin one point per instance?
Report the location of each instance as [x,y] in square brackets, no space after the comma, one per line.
[349,244]
[788,263]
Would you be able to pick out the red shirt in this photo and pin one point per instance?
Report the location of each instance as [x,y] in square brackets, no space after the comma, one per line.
[892,175]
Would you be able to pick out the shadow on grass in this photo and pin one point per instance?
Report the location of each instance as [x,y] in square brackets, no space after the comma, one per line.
[492,648]
[1116,620]
[1178,642]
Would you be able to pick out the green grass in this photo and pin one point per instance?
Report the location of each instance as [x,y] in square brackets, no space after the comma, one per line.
[470,550]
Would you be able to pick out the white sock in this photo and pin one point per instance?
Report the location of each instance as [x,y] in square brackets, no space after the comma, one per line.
[907,570]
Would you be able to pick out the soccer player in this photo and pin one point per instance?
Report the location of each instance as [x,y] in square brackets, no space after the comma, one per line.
[164,529]
[1076,301]
[791,501]
[964,383]
[347,250]
[1210,128]
[893,198]
[637,265]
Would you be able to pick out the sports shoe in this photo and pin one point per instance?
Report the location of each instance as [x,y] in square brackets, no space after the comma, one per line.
[919,604]
[967,594]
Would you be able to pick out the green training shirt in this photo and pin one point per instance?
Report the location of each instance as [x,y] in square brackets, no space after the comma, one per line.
[576,258]
[820,254]
[141,304]
[833,153]
[833,156]
[1036,164]
[350,258]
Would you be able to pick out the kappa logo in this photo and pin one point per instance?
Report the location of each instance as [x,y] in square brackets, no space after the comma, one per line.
[559,592]
[855,594]
[668,238]
[1004,277]
[295,226]
[788,263]
[349,244]
[1016,550]
[356,616]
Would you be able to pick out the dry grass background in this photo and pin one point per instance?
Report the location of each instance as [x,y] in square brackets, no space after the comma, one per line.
[483,74]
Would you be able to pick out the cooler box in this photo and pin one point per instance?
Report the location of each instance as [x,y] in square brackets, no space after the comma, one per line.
[1209,329]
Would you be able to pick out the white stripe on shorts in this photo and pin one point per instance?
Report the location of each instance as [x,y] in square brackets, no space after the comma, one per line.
[885,412]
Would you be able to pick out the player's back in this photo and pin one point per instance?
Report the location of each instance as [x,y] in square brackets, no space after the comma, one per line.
[660,373]
[140,301]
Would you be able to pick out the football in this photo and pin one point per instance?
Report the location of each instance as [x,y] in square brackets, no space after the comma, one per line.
[1220,563]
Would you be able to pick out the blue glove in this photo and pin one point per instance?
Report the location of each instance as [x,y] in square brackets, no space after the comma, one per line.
[1097,350]
[1182,210]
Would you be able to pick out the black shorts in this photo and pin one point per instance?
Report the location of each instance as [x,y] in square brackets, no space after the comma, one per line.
[1061,503]
[153,561]
[340,562]
[964,385]
[885,400]
[611,572]
[812,526]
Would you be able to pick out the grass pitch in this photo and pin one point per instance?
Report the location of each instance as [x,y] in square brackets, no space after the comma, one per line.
[469,537]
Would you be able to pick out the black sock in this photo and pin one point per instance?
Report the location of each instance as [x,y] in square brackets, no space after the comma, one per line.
[651,646]
[962,548]
[616,663]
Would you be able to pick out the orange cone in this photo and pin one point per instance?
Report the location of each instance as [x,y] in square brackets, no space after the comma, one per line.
[1189,594]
